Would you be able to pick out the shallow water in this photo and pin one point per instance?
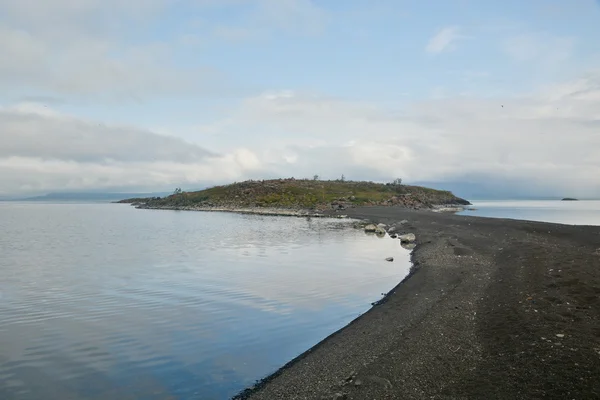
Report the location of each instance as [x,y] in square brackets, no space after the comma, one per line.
[102,301]
[583,212]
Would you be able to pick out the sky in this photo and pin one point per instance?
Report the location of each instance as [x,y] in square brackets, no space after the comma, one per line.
[149,95]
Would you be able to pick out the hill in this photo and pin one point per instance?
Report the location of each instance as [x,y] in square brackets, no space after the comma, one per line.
[304,194]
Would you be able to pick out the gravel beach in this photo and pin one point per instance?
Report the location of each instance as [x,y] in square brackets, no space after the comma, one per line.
[493,308]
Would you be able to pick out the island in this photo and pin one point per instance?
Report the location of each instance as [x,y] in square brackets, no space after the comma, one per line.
[303,197]
[569,199]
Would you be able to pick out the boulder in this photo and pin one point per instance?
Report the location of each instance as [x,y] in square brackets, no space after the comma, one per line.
[371,228]
[380,230]
[407,238]
[408,246]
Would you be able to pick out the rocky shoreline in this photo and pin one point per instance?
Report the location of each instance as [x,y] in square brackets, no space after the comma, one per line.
[287,212]
[280,212]
[492,308]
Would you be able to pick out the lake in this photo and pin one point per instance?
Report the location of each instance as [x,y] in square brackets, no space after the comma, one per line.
[103,301]
[583,212]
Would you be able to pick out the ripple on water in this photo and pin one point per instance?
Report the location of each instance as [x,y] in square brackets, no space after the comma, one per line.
[109,302]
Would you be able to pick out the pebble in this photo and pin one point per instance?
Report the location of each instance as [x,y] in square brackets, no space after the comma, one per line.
[560,335]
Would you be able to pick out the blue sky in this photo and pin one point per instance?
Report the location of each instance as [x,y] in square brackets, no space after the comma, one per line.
[213,91]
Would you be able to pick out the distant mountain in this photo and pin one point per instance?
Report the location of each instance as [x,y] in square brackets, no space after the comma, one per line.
[89,196]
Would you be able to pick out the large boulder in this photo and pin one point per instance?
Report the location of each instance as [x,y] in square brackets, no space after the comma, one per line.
[407,238]
[408,246]
[371,228]
[380,230]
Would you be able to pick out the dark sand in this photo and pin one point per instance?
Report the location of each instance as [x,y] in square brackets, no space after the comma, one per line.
[482,316]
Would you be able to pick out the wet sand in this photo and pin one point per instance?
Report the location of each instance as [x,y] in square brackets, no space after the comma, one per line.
[493,308]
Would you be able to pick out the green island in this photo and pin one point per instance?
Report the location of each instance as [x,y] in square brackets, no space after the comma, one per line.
[303,194]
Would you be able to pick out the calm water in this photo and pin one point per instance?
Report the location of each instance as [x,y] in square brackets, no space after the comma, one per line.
[584,212]
[101,301]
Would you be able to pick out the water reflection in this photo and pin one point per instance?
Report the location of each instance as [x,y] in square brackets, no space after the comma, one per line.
[109,302]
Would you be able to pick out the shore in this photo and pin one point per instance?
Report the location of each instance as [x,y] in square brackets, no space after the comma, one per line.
[282,212]
[493,308]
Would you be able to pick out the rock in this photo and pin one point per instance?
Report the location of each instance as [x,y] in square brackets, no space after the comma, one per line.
[392,229]
[350,377]
[404,221]
[408,238]
[382,226]
[393,236]
[408,246]
[560,335]
[390,259]
[370,228]
[380,230]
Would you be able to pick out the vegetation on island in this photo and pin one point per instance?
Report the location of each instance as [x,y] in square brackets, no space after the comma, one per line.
[312,194]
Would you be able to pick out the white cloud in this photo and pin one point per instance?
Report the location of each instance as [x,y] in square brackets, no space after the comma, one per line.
[43,150]
[104,49]
[549,136]
[443,40]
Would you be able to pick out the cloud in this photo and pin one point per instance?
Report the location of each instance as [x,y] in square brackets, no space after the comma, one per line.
[106,50]
[548,137]
[443,40]
[41,149]
[88,67]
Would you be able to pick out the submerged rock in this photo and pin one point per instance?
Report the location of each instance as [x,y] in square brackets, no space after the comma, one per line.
[408,238]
